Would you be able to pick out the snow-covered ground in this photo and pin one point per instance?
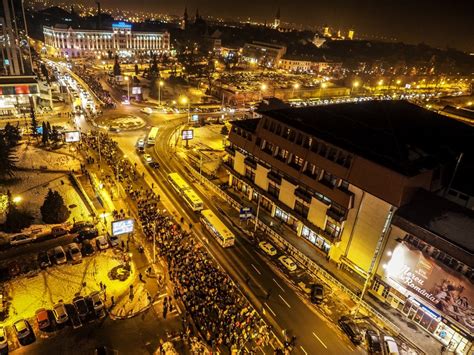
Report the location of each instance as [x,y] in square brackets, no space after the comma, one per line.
[63,282]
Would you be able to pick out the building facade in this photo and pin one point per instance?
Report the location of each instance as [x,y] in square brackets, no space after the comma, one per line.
[427,269]
[299,65]
[120,40]
[262,53]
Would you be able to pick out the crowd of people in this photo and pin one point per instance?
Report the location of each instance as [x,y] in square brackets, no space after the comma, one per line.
[221,314]
[95,86]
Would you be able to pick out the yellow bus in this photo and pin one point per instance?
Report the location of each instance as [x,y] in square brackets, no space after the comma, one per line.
[152,136]
[192,199]
[177,182]
[218,229]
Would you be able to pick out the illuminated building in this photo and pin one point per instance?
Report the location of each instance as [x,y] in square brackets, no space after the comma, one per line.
[336,174]
[18,94]
[267,54]
[427,270]
[121,39]
[276,22]
[350,34]
[300,64]
[326,32]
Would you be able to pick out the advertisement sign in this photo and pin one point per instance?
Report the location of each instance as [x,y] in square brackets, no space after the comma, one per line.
[447,290]
[136,90]
[72,136]
[194,117]
[245,212]
[187,134]
[122,226]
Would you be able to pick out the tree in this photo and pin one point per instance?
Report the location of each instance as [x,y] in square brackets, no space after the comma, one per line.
[55,136]
[154,88]
[224,130]
[154,71]
[136,69]
[117,70]
[16,219]
[34,123]
[11,134]
[8,159]
[54,210]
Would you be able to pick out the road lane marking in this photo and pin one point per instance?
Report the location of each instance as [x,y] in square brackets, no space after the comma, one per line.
[257,270]
[303,350]
[284,301]
[271,310]
[279,285]
[320,340]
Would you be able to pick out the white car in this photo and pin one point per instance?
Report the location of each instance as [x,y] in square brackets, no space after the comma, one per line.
[22,329]
[74,253]
[390,346]
[20,239]
[288,262]
[3,339]
[96,301]
[113,240]
[268,248]
[60,314]
[147,110]
[147,158]
[59,255]
[101,243]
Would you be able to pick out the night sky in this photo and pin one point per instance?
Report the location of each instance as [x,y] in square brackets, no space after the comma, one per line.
[435,22]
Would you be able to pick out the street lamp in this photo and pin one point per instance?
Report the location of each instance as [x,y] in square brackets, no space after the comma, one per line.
[127,79]
[324,85]
[355,85]
[184,100]
[17,199]
[296,86]
[160,84]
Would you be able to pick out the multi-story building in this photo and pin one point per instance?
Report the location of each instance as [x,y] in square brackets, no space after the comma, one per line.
[262,53]
[426,270]
[119,40]
[300,64]
[338,174]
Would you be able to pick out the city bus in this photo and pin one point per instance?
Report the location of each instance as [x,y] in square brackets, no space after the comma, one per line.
[218,230]
[192,199]
[178,183]
[152,136]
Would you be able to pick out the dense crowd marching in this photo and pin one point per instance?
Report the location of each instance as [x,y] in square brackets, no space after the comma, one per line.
[95,86]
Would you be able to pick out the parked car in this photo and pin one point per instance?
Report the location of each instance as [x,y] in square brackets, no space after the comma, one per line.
[44,260]
[58,231]
[267,248]
[42,319]
[86,233]
[23,330]
[19,239]
[87,248]
[60,314]
[59,255]
[74,253]
[154,165]
[390,346]
[3,340]
[73,316]
[81,225]
[101,243]
[373,342]
[351,329]
[317,293]
[288,262]
[81,306]
[113,240]
[96,301]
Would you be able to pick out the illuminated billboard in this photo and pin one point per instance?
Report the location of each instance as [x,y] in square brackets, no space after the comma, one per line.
[72,136]
[136,90]
[447,290]
[122,226]
[187,134]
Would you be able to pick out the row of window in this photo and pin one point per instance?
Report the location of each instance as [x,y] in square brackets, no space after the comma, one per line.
[241,132]
[441,256]
[327,151]
[307,168]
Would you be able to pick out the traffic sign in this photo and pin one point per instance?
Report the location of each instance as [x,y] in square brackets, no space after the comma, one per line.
[245,212]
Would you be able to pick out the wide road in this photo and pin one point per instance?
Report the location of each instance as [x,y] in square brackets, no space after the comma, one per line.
[284,308]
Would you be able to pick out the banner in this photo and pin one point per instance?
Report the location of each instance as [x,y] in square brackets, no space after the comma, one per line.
[445,289]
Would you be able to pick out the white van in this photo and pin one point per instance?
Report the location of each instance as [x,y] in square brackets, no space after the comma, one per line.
[268,248]
[390,346]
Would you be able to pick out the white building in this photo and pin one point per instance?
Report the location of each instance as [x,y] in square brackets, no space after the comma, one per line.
[120,39]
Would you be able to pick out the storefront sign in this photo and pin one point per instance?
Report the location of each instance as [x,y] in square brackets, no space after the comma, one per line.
[448,291]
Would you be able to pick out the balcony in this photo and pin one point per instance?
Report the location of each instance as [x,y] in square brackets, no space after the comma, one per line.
[250,162]
[274,177]
[302,194]
[230,150]
[335,215]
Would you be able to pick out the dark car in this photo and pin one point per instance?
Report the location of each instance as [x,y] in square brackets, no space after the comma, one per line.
[86,233]
[81,306]
[317,293]
[81,225]
[351,329]
[73,316]
[58,231]
[44,260]
[374,346]
[87,248]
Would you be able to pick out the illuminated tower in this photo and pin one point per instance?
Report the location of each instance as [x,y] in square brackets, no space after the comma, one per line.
[326,32]
[276,22]
[350,34]
[184,23]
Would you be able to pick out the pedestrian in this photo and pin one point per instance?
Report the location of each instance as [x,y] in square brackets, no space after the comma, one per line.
[101,285]
[140,276]
[112,299]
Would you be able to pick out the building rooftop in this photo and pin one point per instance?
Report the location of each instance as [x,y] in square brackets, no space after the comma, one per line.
[396,134]
[250,125]
[444,218]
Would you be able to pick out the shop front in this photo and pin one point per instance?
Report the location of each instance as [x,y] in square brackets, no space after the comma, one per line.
[315,239]
[436,298]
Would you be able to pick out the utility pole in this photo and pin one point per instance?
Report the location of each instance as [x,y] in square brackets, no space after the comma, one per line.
[258,212]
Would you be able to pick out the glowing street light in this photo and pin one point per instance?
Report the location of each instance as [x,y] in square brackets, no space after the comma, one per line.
[398,82]
[184,100]
[380,83]
[263,87]
[127,79]
[324,85]
[160,84]
[17,199]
